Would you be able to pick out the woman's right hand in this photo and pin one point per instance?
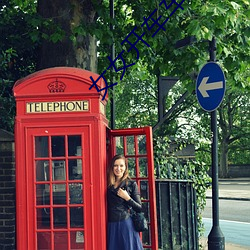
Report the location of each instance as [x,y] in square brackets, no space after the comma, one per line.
[123,194]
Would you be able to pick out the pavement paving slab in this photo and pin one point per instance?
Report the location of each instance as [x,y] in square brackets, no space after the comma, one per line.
[228,246]
[239,194]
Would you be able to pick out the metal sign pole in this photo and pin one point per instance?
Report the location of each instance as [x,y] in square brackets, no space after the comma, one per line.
[216,240]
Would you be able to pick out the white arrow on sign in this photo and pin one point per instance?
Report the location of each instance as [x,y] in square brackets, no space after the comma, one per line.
[204,86]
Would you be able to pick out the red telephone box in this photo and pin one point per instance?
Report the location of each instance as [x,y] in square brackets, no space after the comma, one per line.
[62,149]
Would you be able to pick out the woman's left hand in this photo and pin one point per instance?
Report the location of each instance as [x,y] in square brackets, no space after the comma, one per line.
[123,194]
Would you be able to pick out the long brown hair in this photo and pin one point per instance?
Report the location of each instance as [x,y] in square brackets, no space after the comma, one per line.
[111,175]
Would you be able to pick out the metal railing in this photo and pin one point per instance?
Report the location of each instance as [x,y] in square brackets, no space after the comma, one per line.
[176,210]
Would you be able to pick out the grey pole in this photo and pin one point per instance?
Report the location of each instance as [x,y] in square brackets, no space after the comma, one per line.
[216,240]
[112,96]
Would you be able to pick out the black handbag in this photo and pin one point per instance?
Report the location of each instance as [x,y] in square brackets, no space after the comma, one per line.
[140,222]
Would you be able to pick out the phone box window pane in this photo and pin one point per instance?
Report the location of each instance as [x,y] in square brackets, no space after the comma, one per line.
[41,194]
[76,217]
[58,146]
[143,164]
[131,167]
[44,240]
[42,170]
[75,193]
[130,145]
[77,239]
[119,145]
[75,169]
[142,144]
[58,171]
[74,145]
[41,146]
[46,194]
[146,210]
[61,240]
[59,193]
[144,190]
[60,218]
[43,218]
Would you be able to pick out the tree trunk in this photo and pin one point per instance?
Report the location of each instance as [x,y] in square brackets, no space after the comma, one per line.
[73,50]
[223,166]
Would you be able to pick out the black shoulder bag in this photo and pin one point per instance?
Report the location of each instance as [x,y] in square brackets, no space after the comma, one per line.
[139,220]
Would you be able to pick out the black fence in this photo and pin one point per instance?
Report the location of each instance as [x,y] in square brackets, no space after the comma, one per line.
[176,210]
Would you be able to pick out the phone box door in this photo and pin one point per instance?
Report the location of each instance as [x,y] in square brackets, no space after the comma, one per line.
[59,187]
[137,146]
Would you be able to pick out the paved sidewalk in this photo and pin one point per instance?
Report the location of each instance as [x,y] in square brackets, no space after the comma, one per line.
[242,193]
[230,194]
[228,246]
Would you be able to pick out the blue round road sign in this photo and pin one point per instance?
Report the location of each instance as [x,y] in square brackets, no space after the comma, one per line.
[210,86]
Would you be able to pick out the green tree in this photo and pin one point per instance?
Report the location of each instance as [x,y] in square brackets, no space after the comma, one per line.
[68,37]
[234,117]
[228,22]
[70,33]
[17,54]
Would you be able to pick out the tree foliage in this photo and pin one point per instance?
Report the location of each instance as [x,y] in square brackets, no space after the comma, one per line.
[228,22]
[67,37]
[23,31]
[17,53]
[234,120]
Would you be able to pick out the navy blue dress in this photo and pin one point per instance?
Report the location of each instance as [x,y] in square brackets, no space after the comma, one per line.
[121,231]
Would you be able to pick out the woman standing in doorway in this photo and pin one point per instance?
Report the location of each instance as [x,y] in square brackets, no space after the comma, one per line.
[122,195]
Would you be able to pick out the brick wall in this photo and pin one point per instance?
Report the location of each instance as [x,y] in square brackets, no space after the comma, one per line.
[7,191]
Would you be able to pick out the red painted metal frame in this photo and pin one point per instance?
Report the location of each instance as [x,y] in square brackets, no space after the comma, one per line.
[147,131]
